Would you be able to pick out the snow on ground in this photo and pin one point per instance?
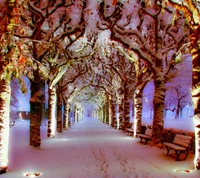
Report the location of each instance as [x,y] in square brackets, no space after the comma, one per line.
[91,149]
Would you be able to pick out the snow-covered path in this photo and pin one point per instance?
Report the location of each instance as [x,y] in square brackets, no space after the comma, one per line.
[90,149]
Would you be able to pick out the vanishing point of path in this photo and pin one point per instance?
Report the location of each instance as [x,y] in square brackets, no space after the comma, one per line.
[91,149]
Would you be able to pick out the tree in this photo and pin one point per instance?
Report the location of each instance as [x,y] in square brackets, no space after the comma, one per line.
[141,78]
[178,85]
[191,10]
[153,24]
[46,24]
[12,63]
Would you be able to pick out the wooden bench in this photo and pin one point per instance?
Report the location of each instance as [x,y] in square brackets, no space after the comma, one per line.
[130,131]
[180,144]
[146,136]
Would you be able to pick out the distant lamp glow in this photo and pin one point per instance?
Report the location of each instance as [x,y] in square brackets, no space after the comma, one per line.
[34,174]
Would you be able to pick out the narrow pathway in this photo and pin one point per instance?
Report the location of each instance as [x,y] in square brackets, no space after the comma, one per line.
[91,149]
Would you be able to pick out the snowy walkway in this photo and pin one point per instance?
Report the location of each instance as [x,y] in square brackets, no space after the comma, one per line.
[91,149]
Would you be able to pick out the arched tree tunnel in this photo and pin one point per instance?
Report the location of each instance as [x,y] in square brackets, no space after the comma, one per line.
[96,58]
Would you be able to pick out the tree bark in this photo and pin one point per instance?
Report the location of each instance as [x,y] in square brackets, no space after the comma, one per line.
[36,102]
[107,110]
[113,111]
[196,120]
[126,108]
[35,120]
[110,112]
[137,112]
[119,115]
[59,112]
[75,114]
[5,94]
[158,121]
[104,113]
[66,115]
[52,113]
[196,101]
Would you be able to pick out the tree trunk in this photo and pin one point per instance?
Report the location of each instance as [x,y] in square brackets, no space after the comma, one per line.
[52,113]
[120,115]
[176,113]
[158,121]
[35,140]
[178,110]
[66,115]
[5,94]
[110,112]
[59,112]
[98,114]
[196,101]
[75,114]
[104,113]
[42,113]
[126,108]
[113,111]
[107,109]
[36,102]
[137,112]
[196,120]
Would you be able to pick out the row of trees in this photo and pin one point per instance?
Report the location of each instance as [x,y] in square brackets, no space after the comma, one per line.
[108,48]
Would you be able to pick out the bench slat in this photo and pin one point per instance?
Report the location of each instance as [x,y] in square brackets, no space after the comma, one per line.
[180,144]
[175,147]
[130,130]
[182,140]
[147,136]
[148,132]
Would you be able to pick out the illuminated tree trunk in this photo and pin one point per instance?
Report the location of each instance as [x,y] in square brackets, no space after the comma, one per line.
[66,115]
[75,114]
[52,113]
[126,108]
[59,112]
[196,120]
[5,94]
[107,110]
[137,112]
[158,121]
[113,111]
[110,112]
[81,114]
[196,101]
[100,114]
[120,114]
[104,113]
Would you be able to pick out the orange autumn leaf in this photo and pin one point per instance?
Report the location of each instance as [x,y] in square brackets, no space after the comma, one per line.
[21,59]
[15,10]
[16,21]
[114,2]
